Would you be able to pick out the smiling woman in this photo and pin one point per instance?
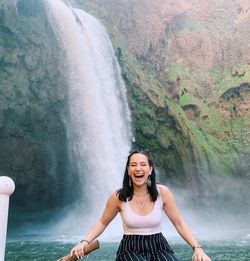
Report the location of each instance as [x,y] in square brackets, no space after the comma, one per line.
[139,171]
[141,203]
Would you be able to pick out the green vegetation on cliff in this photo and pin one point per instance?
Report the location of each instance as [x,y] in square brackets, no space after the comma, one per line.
[188,99]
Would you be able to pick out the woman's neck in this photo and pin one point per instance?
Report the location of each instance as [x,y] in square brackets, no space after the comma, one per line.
[140,191]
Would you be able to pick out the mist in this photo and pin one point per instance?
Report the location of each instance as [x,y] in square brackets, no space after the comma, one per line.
[222,215]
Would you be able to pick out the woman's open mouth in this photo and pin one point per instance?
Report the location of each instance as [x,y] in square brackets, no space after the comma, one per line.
[140,176]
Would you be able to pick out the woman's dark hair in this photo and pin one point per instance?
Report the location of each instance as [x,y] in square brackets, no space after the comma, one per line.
[127,191]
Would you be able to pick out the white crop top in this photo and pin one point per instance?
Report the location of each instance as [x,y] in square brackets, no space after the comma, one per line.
[135,224]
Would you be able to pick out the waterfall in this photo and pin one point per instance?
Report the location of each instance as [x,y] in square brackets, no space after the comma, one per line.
[98,128]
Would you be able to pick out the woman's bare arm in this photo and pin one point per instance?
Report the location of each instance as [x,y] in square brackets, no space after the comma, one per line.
[112,207]
[173,213]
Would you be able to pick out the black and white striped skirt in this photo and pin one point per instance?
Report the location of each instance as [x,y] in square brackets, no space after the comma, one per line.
[145,248]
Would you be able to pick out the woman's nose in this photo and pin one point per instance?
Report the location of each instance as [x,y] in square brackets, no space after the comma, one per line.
[137,167]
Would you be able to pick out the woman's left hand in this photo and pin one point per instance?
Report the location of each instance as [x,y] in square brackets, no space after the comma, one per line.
[200,255]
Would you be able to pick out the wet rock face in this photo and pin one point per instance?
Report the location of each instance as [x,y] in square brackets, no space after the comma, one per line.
[33,148]
[186,67]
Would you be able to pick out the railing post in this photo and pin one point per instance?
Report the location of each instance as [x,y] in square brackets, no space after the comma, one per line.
[7,187]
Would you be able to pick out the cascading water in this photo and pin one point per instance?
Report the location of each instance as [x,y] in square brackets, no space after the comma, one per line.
[99,126]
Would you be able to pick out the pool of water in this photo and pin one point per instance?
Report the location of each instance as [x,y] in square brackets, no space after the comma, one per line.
[40,250]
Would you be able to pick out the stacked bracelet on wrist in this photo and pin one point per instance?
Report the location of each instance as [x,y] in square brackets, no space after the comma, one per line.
[84,240]
[196,246]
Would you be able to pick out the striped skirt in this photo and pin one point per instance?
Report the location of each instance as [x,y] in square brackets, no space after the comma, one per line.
[145,248]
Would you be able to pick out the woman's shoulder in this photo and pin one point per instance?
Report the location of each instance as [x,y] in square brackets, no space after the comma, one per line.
[113,202]
[164,191]
[115,195]
[114,199]
[162,188]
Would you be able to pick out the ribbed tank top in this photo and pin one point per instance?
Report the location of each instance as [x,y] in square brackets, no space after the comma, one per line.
[135,224]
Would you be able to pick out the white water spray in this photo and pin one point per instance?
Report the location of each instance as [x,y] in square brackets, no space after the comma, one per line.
[99,126]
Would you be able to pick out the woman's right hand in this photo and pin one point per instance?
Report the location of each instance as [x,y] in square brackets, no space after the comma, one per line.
[200,255]
[78,250]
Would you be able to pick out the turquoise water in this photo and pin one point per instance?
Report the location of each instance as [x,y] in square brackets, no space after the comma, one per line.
[30,250]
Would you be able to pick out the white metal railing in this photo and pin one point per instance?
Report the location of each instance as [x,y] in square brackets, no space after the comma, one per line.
[7,187]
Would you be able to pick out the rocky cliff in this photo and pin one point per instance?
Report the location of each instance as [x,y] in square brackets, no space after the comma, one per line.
[187,69]
[33,143]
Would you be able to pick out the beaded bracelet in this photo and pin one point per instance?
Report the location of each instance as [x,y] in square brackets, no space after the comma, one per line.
[84,240]
[196,246]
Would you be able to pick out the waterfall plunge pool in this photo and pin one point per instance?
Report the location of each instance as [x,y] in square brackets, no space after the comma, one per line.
[236,249]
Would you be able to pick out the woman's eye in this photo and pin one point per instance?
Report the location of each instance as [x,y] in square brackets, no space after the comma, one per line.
[141,164]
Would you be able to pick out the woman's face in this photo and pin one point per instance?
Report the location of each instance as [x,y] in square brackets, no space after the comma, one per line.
[139,169]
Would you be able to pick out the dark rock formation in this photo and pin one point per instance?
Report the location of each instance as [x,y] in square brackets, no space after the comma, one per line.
[33,143]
